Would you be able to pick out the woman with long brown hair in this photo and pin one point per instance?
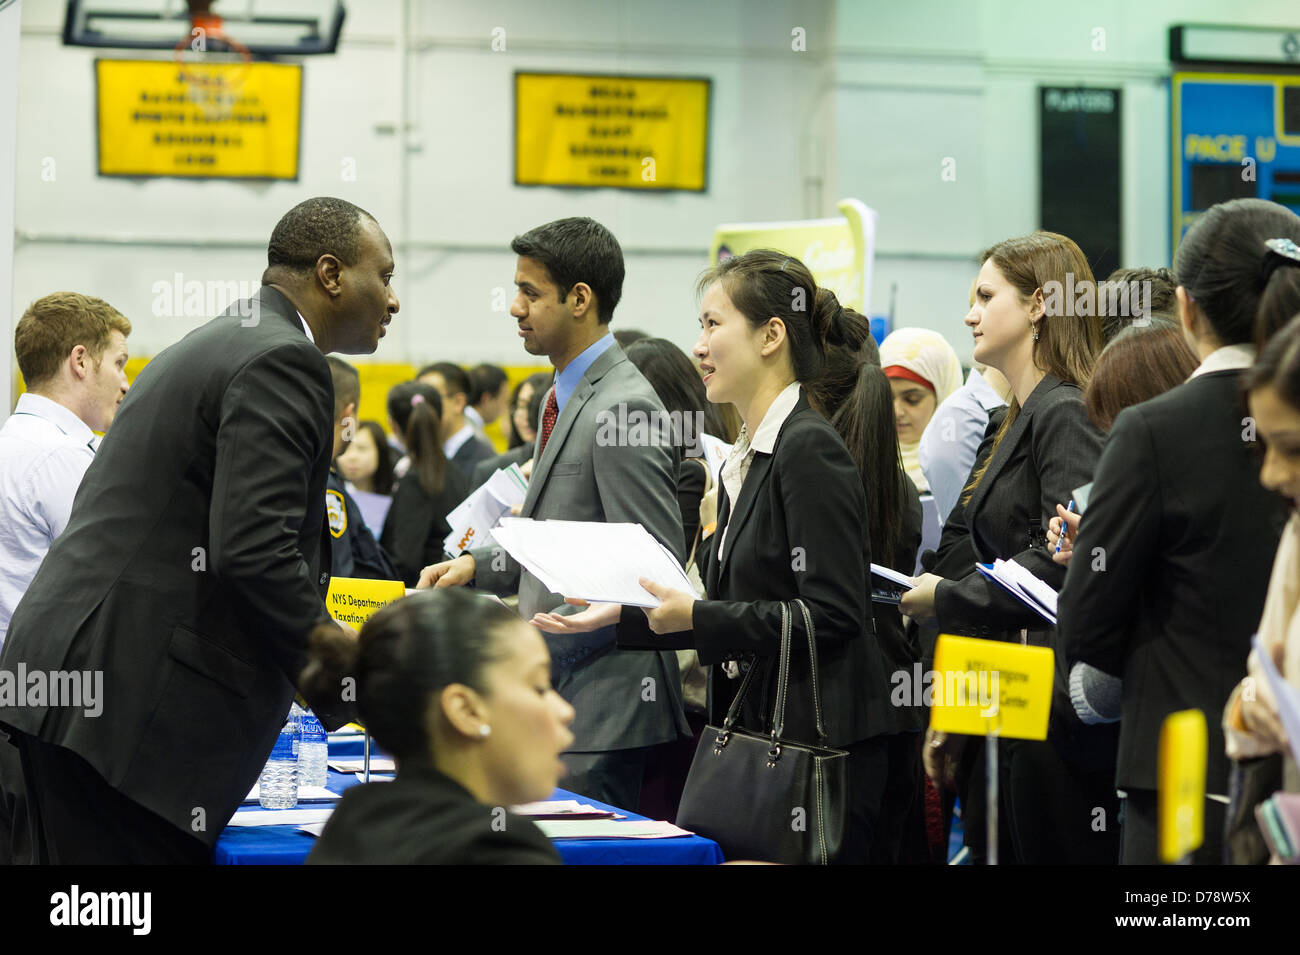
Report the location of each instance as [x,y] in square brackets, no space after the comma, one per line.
[1045,346]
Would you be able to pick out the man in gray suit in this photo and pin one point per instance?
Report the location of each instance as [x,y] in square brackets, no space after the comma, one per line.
[570,277]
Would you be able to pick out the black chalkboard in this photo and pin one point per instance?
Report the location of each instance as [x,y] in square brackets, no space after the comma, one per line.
[1079,174]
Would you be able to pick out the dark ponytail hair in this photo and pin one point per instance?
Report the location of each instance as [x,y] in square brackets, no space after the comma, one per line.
[865,420]
[1222,263]
[764,284]
[417,410]
[406,653]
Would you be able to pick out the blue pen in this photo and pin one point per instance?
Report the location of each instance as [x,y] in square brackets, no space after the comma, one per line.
[1061,540]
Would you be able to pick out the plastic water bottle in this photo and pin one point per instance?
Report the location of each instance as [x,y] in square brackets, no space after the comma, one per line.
[278,786]
[314,753]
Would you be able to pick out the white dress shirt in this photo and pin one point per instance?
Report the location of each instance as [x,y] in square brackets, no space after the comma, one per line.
[736,468]
[952,439]
[44,452]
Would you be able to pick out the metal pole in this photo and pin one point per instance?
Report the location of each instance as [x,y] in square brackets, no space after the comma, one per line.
[991,791]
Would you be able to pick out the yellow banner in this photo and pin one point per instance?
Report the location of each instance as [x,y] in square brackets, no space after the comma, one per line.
[353,601]
[839,252]
[632,132]
[247,127]
[982,686]
[1180,781]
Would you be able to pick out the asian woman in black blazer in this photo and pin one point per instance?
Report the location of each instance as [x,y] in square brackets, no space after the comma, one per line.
[1050,791]
[791,523]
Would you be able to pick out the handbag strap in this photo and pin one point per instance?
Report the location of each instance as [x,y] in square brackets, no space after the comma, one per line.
[733,712]
[783,678]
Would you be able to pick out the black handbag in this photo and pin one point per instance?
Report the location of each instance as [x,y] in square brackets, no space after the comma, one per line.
[763,797]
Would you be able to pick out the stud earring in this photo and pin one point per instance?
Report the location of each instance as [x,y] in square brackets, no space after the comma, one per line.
[485,730]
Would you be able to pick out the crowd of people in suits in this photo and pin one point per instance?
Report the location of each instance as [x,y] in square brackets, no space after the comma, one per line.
[1184,418]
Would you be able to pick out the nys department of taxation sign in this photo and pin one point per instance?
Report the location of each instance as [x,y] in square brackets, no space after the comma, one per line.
[151,125]
[631,132]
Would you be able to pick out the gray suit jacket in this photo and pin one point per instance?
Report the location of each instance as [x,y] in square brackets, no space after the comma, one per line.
[622,698]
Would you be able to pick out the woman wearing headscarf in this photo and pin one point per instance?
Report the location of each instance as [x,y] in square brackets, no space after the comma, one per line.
[923,370]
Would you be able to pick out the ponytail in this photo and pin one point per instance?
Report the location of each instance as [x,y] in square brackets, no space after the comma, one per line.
[417,410]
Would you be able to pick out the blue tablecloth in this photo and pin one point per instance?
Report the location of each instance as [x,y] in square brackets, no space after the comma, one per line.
[285,845]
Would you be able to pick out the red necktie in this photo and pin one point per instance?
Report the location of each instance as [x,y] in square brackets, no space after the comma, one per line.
[551,412]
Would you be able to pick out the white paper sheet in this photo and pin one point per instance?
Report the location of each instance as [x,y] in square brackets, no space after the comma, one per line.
[305,794]
[715,454]
[592,561]
[378,764]
[1287,696]
[608,829]
[471,521]
[280,817]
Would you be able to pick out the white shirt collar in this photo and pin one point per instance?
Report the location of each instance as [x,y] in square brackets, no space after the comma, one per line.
[457,440]
[1224,359]
[983,391]
[62,418]
[474,417]
[307,328]
[764,438]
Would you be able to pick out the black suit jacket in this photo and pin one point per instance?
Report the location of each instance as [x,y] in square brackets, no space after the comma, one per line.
[193,565]
[1050,449]
[416,524]
[426,818]
[1171,566]
[798,529]
[470,455]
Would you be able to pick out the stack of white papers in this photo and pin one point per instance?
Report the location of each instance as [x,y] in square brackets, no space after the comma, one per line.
[609,829]
[592,561]
[280,817]
[892,586]
[472,520]
[1030,590]
[560,809]
[305,794]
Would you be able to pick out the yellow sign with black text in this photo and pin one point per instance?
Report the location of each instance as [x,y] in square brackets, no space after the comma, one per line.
[158,119]
[988,686]
[632,132]
[354,600]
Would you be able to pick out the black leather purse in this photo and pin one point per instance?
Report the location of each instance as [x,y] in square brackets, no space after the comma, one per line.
[763,797]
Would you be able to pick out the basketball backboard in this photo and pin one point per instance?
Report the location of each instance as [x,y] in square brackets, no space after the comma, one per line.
[262,27]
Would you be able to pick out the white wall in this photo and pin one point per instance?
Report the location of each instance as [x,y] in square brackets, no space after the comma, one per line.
[462,208]
[884,92]
[919,81]
[10,21]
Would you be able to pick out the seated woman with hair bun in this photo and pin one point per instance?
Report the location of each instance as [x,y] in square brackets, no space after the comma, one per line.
[458,689]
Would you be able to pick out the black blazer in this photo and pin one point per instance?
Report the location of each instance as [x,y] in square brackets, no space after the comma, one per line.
[426,818]
[1050,449]
[416,525]
[470,455]
[194,563]
[798,529]
[1186,536]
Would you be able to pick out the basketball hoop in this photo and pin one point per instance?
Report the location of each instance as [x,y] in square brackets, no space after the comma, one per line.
[212,64]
